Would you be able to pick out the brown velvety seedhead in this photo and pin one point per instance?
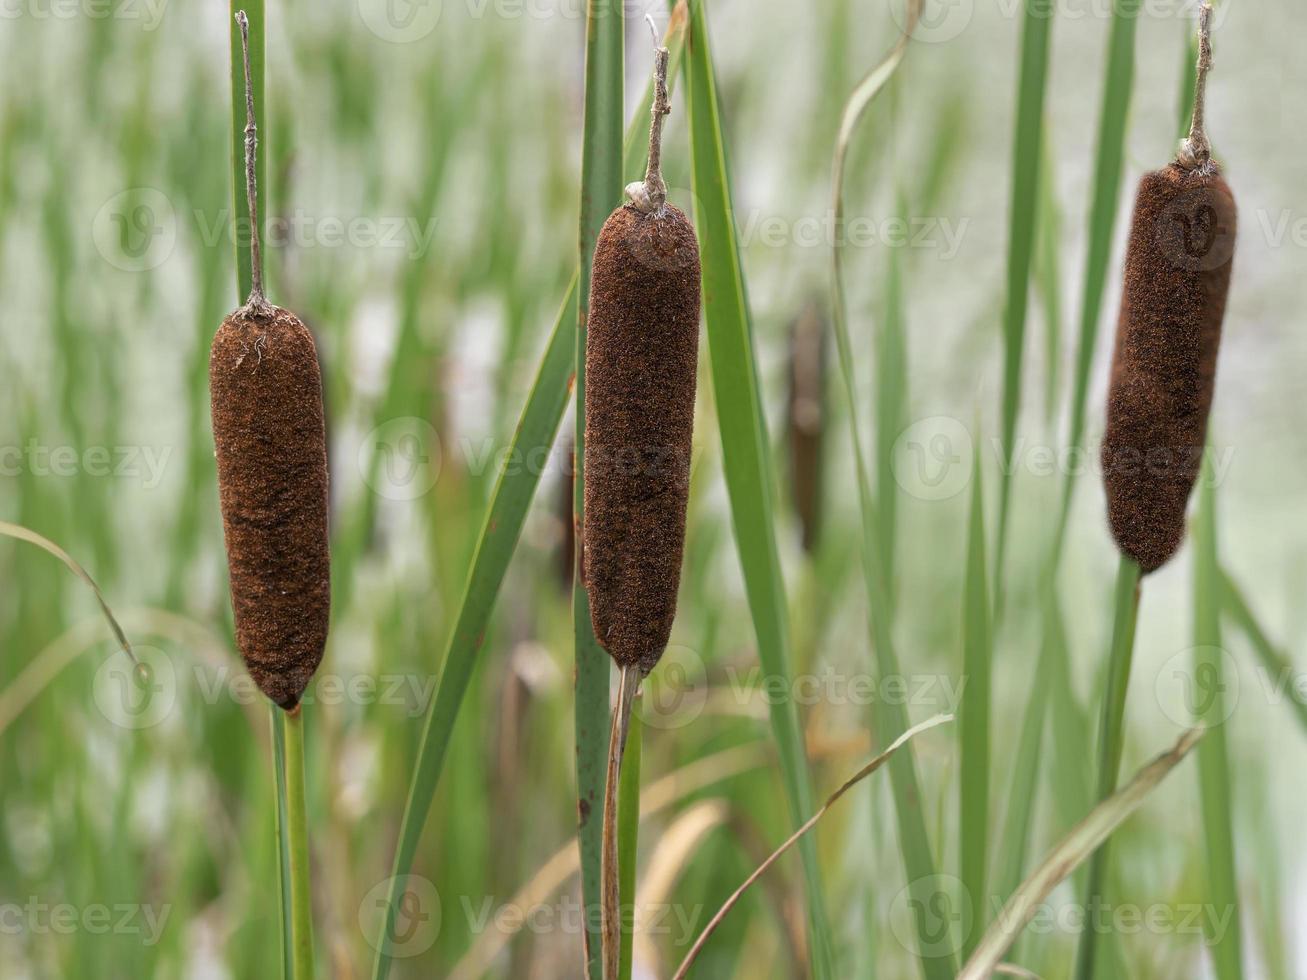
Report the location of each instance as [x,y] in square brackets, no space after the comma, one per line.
[266,392]
[641,361]
[1177,277]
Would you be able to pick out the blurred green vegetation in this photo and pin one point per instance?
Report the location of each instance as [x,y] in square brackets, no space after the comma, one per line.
[422,186]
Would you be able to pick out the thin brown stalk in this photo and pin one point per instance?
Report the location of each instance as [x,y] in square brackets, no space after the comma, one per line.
[651,194]
[257,302]
[683,970]
[31,537]
[1195,150]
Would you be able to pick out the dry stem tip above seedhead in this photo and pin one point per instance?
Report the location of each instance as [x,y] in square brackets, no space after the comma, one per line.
[650,194]
[1195,150]
[257,304]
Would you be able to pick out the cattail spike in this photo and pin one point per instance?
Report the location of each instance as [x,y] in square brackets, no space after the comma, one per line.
[642,353]
[642,357]
[270,441]
[1177,277]
[806,421]
[271,446]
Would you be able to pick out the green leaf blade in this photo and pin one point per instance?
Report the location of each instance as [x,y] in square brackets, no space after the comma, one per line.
[745,449]
[601,192]
[890,718]
[973,732]
[1274,662]
[628,839]
[1111,737]
[1027,147]
[1118,85]
[1085,839]
[499,535]
[1214,780]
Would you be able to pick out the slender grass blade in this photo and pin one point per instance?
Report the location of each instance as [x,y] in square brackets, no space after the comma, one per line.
[745,446]
[1118,84]
[936,958]
[1111,737]
[1274,662]
[628,838]
[1086,839]
[1028,144]
[973,731]
[503,525]
[1209,690]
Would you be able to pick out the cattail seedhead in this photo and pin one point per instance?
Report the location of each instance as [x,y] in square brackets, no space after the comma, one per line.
[641,362]
[266,392]
[806,419]
[1177,277]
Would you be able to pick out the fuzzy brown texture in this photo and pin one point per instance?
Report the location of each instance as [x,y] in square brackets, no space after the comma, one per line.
[1177,277]
[266,392]
[641,360]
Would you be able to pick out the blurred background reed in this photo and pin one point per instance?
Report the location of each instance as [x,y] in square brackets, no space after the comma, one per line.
[423,170]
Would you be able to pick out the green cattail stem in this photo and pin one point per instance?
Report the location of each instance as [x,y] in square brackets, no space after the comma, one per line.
[610,910]
[628,837]
[1111,739]
[301,893]
[278,724]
